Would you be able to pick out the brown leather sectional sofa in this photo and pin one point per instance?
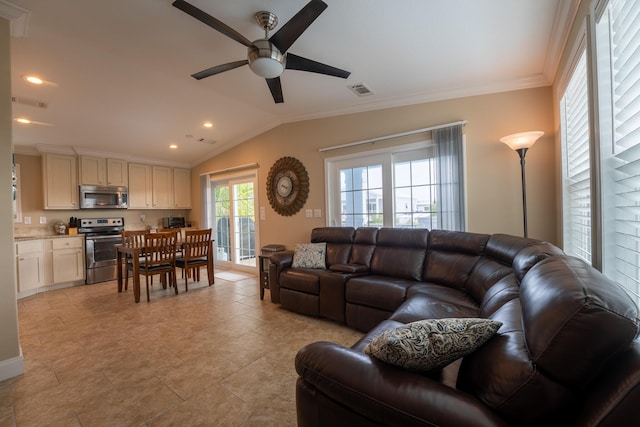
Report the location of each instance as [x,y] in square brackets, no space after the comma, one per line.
[567,352]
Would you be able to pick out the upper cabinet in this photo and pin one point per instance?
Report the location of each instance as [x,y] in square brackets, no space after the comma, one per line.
[162,187]
[101,171]
[60,181]
[181,188]
[139,186]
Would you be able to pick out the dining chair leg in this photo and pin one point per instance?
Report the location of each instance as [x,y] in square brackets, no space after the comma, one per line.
[146,279]
[175,281]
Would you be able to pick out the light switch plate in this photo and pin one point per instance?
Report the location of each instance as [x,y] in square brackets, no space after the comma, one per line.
[263,214]
[27,220]
[317,213]
[43,220]
[309,213]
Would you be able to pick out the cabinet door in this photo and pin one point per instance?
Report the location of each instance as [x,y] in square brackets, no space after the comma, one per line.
[93,171]
[60,175]
[139,186]
[68,260]
[68,265]
[182,188]
[162,187]
[29,265]
[117,173]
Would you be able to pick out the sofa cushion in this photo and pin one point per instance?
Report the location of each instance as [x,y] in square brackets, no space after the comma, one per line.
[301,280]
[338,240]
[400,253]
[436,304]
[309,255]
[431,344]
[386,293]
[364,243]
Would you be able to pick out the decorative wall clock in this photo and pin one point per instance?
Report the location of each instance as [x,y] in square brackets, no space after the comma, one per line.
[287,186]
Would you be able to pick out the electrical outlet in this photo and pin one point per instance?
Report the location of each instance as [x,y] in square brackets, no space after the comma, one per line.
[43,220]
[142,217]
[27,220]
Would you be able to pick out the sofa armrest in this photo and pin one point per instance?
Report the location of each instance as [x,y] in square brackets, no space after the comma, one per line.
[278,262]
[350,268]
[386,394]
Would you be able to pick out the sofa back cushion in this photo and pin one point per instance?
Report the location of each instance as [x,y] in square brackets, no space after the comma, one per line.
[338,239]
[364,243]
[567,322]
[451,257]
[400,253]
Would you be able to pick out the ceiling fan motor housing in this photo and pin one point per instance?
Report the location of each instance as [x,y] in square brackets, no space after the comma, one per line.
[265,59]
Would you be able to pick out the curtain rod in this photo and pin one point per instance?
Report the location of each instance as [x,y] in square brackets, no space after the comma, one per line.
[232,169]
[395,135]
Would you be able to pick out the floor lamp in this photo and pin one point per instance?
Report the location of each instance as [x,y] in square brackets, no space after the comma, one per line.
[520,143]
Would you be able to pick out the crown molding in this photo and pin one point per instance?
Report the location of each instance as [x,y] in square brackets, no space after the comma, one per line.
[562,23]
[17,16]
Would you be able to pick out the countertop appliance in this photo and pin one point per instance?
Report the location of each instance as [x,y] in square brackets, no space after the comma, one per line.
[174,222]
[101,236]
[103,197]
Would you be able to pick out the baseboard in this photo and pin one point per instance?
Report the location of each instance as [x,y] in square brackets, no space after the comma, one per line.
[12,367]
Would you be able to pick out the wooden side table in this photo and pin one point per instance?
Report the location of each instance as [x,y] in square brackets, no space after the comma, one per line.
[263,258]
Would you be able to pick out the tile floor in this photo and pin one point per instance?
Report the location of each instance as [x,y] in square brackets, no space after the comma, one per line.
[215,356]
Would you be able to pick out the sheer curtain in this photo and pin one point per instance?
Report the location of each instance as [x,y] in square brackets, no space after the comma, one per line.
[450,175]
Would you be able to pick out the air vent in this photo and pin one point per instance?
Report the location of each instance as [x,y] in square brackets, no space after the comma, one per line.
[29,101]
[361,89]
[207,141]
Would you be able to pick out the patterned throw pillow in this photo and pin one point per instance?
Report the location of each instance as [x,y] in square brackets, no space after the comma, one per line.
[309,255]
[430,344]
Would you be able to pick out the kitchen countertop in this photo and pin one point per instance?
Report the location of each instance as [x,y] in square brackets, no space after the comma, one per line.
[44,236]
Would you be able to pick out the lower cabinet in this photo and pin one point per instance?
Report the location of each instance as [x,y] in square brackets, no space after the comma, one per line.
[68,260]
[45,262]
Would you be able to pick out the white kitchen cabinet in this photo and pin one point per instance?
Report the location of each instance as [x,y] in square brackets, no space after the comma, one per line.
[30,265]
[140,186]
[162,187]
[68,259]
[101,171]
[117,172]
[60,181]
[181,188]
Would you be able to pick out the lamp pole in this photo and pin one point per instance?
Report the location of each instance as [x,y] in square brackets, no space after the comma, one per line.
[521,152]
[520,143]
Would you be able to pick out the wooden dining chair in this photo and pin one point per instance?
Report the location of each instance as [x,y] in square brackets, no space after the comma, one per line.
[160,259]
[196,252]
[132,238]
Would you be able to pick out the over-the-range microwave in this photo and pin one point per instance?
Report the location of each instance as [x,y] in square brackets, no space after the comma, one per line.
[98,197]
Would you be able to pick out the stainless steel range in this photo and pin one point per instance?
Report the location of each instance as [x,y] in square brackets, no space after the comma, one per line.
[101,236]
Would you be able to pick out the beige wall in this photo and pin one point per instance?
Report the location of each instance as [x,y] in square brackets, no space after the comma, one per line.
[32,201]
[9,342]
[494,195]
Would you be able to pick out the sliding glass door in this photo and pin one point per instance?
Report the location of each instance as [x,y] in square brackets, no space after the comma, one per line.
[234,208]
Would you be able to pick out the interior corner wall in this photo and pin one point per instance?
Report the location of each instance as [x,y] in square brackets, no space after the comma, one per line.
[493,180]
[10,357]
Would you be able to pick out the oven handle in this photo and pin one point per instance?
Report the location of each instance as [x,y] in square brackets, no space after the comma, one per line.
[117,238]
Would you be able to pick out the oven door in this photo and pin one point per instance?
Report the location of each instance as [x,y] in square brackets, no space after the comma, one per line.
[101,250]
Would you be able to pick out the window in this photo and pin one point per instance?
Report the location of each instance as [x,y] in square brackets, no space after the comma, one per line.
[412,186]
[618,67]
[574,122]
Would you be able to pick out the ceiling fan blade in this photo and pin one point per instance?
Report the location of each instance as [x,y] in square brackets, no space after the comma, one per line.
[295,62]
[219,69]
[212,22]
[276,90]
[289,32]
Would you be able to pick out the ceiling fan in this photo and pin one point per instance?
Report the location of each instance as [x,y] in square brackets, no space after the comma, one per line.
[268,57]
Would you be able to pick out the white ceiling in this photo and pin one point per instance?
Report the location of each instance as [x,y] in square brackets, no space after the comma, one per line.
[119,70]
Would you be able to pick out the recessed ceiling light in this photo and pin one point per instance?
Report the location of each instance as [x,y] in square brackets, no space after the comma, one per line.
[207,124]
[33,79]
[173,146]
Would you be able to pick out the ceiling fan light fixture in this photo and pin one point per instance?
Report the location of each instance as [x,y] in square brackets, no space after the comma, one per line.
[265,59]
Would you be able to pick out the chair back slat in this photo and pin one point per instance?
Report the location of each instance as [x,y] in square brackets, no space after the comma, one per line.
[134,238]
[197,243]
[160,249]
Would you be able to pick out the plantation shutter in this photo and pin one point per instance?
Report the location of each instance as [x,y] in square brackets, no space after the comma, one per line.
[618,35]
[574,111]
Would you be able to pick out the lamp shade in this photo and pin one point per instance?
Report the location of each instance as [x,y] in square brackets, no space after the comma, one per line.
[520,140]
[265,59]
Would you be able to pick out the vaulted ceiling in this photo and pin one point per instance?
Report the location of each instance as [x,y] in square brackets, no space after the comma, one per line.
[117,72]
